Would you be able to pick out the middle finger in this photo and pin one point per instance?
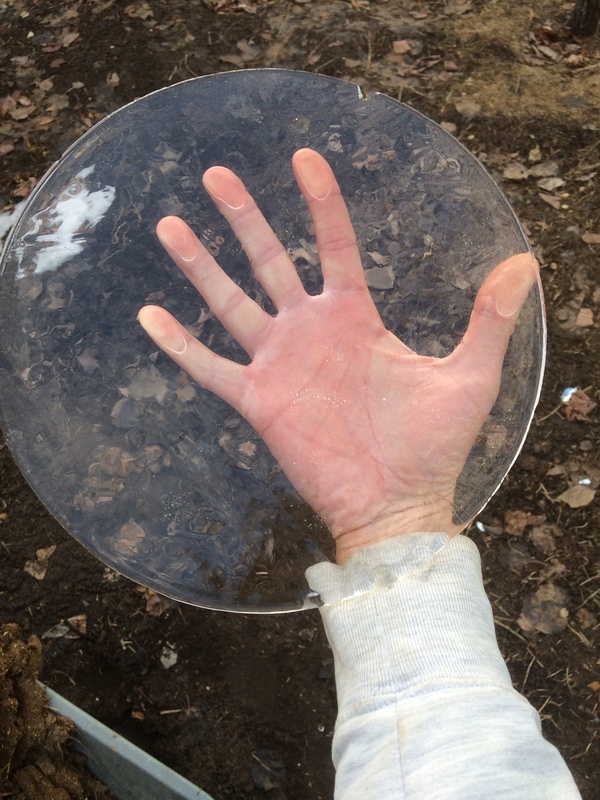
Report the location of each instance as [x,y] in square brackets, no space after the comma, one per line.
[270,262]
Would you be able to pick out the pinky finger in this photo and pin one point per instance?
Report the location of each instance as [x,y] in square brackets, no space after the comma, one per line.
[219,375]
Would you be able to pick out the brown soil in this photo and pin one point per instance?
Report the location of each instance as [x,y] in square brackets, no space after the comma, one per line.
[517,89]
[34,760]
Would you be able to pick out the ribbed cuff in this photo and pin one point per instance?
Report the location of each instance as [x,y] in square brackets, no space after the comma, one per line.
[407,613]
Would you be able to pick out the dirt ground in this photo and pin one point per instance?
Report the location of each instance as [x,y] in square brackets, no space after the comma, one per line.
[249,705]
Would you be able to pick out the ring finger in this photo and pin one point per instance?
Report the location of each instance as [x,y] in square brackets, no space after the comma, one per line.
[240,315]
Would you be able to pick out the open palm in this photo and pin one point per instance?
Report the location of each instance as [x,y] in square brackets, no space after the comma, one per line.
[372,435]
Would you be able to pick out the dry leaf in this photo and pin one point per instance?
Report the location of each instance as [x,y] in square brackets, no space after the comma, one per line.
[515,556]
[579,406]
[249,51]
[457,7]
[553,570]
[112,79]
[22,113]
[515,522]
[550,184]
[551,199]
[401,46]
[548,52]
[584,318]
[379,258]
[37,568]
[543,538]
[142,11]
[450,127]
[129,537]
[380,277]
[515,172]
[545,611]
[156,604]
[7,104]
[6,147]
[68,38]
[577,496]
[56,102]
[467,108]
[591,238]
[586,619]
[545,169]
[238,61]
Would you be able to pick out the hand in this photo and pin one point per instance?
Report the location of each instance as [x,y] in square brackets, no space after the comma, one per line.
[372,435]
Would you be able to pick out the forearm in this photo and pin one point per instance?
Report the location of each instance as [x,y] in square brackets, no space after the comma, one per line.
[426,704]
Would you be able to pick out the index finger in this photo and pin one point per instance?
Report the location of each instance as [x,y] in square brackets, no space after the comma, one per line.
[336,240]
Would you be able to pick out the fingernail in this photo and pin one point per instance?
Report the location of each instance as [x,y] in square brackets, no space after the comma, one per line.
[224,186]
[183,242]
[513,291]
[315,175]
[167,334]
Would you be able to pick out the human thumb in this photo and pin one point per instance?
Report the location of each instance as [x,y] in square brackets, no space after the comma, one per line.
[496,310]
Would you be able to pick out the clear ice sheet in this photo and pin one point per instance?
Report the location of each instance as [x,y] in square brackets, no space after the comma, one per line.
[157,477]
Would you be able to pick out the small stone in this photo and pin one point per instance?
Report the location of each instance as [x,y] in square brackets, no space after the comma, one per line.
[168,657]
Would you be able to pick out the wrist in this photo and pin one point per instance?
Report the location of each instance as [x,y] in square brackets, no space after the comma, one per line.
[433,518]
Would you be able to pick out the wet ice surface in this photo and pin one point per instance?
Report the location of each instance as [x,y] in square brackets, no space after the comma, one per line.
[159,478]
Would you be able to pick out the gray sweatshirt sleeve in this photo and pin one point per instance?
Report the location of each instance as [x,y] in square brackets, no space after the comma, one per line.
[426,707]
